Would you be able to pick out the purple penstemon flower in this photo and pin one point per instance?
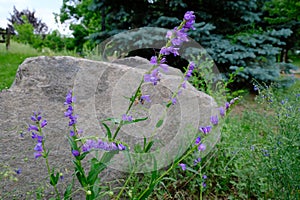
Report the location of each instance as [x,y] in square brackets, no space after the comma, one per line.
[72,133]
[70,111]
[198,140]
[205,129]
[183,85]
[69,98]
[44,123]
[189,71]
[169,50]
[214,120]
[18,171]
[153,77]
[189,18]
[227,105]
[222,111]
[37,128]
[32,128]
[102,145]
[38,147]
[201,147]
[174,101]
[121,147]
[161,63]
[127,118]
[75,152]
[146,97]
[196,161]
[183,166]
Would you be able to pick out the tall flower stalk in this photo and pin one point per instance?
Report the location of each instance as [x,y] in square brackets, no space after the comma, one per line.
[36,131]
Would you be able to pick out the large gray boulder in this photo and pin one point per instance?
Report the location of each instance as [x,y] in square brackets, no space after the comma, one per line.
[101,88]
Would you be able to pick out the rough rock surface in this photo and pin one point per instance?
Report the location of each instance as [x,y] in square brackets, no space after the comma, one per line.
[101,88]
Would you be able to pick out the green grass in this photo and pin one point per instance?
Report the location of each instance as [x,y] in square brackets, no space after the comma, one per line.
[296,60]
[17,53]
[11,59]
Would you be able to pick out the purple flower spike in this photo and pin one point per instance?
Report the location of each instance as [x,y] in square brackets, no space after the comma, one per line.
[204,176]
[201,147]
[75,153]
[69,98]
[183,166]
[189,17]
[214,120]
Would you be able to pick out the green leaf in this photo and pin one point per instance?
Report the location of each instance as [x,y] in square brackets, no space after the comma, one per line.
[53,178]
[148,147]
[109,136]
[159,123]
[135,120]
[138,148]
[96,187]
[96,168]
[67,194]
[113,120]
[80,174]
[72,143]
[154,172]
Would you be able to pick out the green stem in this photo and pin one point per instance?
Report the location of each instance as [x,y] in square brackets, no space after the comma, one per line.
[170,168]
[47,160]
[49,172]
[123,188]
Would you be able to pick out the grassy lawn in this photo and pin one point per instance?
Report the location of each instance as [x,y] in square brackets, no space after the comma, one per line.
[296,60]
[11,59]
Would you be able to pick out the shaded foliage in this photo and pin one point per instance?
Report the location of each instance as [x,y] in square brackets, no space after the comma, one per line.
[235,33]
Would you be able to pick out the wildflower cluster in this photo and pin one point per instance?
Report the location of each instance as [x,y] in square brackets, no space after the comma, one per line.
[127,118]
[227,106]
[102,145]
[70,111]
[175,39]
[35,129]
[206,130]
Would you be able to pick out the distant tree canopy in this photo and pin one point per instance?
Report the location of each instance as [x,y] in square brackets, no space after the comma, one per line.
[27,16]
[254,34]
